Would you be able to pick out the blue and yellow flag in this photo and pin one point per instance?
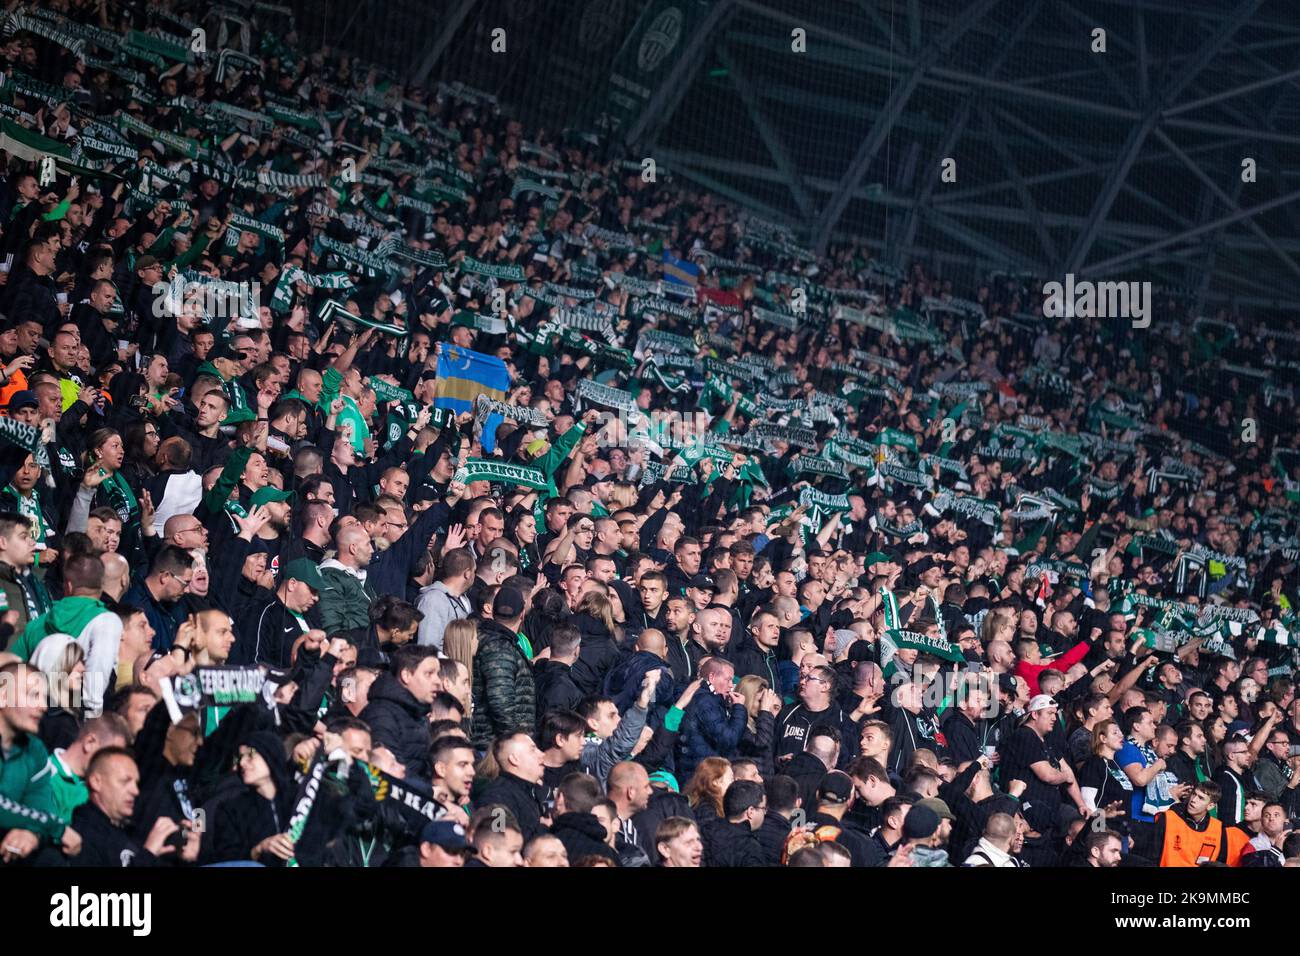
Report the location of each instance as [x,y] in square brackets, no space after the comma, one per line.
[680,271]
[463,376]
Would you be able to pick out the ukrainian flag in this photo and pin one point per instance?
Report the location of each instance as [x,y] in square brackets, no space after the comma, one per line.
[680,271]
[463,376]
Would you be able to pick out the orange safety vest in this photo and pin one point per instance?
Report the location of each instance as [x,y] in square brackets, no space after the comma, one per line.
[1238,840]
[15,384]
[1184,846]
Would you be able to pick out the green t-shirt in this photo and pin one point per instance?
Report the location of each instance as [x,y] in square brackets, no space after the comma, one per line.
[330,382]
[68,789]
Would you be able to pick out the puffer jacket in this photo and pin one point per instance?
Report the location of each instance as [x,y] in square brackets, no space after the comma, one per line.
[710,728]
[623,681]
[346,606]
[597,654]
[401,723]
[504,694]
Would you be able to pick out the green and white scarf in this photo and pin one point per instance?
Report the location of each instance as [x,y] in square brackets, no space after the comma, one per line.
[507,273]
[500,472]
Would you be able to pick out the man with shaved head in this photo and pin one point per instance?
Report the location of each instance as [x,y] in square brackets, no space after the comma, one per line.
[710,633]
[517,786]
[624,680]
[117,574]
[345,605]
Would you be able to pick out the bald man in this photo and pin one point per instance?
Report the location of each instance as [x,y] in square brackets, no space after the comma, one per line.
[345,605]
[624,681]
[117,574]
[629,790]
[1002,660]
[710,633]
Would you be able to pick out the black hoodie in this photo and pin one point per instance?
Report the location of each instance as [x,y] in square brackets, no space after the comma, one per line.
[596,655]
[401,723]
[582,835]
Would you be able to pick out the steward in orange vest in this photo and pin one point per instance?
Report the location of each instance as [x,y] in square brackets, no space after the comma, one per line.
[1187,835]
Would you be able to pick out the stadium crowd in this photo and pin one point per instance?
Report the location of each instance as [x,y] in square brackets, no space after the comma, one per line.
[386,484]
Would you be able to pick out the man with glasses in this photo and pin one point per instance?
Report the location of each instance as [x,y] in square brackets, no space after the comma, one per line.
[816,705]
[157,593]
[187,532]
[1234,780]
[1276,768]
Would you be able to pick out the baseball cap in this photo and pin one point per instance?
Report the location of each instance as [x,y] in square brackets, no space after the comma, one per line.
[920,567]
[921,823]
[446,834]
[703,582]
[508,604]
[876,557]
[836,787]
[237,416]
[301,569]
[146,262]
[1041,702]
[667,779]
[23,398]
[938,806]
[270,493]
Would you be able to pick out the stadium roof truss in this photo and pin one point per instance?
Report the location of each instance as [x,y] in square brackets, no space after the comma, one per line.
[1124,163]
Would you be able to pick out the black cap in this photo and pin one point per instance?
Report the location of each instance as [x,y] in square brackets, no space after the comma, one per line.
[836,787]
[703,582]
[921,823]
[23,398]
[508,604]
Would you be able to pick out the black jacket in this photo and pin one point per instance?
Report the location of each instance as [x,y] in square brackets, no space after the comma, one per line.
[623,681]
[863,851]
[105,845]
[771,837]
[807,771]
[555,688]
[682,664]
[732,844]
[964,738]
[582,835]
[757,743]
[752,659]
[245,820]
[265,635]
[663,804]
[596,656]
[401,723]
[519,797]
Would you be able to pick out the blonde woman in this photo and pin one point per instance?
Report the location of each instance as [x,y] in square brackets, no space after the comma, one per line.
[761,706]
[622,497]
[999,624]
[598,651]
[460,642]
[63,662]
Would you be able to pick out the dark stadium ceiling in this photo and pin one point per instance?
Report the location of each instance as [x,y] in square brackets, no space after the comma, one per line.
[1118,164]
